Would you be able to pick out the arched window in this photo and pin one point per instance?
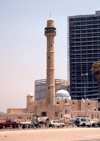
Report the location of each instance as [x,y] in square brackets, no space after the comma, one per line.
[44,114]
[65,100]
[65,111]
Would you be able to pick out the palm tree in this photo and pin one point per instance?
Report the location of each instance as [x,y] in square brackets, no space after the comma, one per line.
[96,69]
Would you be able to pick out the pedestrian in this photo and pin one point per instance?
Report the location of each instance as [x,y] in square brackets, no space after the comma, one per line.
[37,120]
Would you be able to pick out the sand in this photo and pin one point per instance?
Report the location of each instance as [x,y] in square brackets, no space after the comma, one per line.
[60,134]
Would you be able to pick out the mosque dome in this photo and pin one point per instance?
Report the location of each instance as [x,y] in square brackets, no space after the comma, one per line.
[30,94]
[62,94]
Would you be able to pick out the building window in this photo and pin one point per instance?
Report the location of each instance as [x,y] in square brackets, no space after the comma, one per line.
[61,116]
[20,117]
[65,100]
[91,116]
[65,111]
[44,114]
[56,114]
[57,102]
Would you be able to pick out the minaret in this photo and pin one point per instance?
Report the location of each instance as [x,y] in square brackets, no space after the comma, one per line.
[50,33]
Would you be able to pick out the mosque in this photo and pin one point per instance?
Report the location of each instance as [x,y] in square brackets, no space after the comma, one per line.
[56,105]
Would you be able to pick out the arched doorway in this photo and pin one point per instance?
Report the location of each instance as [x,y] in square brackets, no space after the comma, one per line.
[66,111]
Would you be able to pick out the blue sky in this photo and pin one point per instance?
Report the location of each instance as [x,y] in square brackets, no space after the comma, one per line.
[23,44]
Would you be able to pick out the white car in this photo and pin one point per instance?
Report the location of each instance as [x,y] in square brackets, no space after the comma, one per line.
[56,123]
[84,121]
[41,119]
[25,124]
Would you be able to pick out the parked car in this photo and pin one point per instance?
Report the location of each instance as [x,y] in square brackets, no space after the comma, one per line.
[84,121]
[9,123]
[72,121]
[56,123]
[25,124]
[67,121]
[43,119]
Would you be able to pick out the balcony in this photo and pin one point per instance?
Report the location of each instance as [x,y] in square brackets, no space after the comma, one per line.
[50,30]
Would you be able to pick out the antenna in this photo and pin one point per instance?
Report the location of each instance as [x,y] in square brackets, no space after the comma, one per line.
[50,15]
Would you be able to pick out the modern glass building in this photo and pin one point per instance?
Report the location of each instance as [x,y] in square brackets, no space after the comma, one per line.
[83,51]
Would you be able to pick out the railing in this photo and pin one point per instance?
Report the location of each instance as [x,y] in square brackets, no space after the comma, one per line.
[50,31]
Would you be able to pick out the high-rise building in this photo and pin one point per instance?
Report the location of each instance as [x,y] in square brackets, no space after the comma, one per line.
[83,51]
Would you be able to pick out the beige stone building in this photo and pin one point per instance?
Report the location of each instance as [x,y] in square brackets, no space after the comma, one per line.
[53,107]
[63,108]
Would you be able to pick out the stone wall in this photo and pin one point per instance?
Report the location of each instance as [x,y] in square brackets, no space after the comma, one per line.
[16,111]
[16,117]
[59,110]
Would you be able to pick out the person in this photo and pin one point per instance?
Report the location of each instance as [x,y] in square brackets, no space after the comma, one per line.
[48,123]
[37,120]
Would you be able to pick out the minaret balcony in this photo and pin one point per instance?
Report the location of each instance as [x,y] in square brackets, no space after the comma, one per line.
[50,30]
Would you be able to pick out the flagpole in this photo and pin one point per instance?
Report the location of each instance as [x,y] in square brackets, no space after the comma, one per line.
[84,90]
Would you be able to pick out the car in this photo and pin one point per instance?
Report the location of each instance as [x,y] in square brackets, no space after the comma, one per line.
[25,124]
[84,121]
[72,121]
[43,119]
[9,123]
[67,121]
[56,123]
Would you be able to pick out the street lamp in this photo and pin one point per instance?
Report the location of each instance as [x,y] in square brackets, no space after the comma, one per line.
[84,74]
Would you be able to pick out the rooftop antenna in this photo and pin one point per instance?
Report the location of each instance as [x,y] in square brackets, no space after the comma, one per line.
[50,15]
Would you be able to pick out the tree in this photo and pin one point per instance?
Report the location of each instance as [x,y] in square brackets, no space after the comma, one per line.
[96,69]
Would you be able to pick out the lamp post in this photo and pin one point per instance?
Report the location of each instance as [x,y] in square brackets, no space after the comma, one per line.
[85,74]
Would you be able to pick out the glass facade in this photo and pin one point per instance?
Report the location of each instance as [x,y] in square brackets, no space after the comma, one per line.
[84,50]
